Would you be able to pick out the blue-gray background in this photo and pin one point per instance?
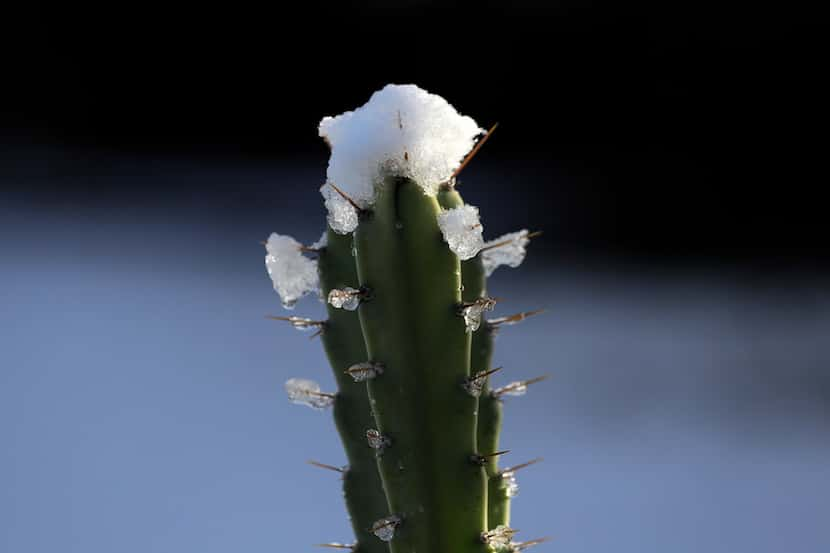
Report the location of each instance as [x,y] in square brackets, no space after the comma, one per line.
[688,306]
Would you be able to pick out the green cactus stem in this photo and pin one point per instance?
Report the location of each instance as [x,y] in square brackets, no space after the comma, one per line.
[343,341]
[411,325]
[481,354]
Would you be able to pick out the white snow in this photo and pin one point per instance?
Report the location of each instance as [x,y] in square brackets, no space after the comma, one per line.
[508,249]
[341,215]
[293,274]
[307,392]
[402,130]
[462,230]
[321,242]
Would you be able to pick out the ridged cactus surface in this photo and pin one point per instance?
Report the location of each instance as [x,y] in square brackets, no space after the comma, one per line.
[403,268]
[343,340]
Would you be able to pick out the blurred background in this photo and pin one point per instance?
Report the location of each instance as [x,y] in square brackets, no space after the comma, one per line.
[673,157]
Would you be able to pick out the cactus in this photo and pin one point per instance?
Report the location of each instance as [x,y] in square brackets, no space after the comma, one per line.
[403,268]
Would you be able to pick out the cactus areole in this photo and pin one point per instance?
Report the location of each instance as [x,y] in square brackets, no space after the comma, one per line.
[403,266]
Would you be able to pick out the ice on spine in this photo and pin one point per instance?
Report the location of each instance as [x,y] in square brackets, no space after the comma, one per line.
[472,312]
[321,242]
[346,298]
[293,274]
[307,392]
[508,249]
[462,230]
[511,486]
[402,130]
[475,384]
[499,536]
[516,389]
[303,323]
[384,528]
[376,440]
[341,216]
[362,372]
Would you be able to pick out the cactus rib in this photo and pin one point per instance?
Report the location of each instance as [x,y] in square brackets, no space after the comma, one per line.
[343,341]
[411,325]
[481,355]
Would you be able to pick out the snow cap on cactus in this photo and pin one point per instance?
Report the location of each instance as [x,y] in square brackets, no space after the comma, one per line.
[402,130]
[293,274]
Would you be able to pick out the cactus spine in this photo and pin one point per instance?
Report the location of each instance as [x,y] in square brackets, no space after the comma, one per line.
[406,288]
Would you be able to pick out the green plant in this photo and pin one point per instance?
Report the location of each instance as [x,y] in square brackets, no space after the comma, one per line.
[403,268]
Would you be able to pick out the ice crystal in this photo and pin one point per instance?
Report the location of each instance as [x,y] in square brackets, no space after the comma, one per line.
[375,439]
[514,389]
[361,372]
[301,323]
[346,298]
[511,486]
[499,536]
[293,274]
[475,384]
[307,392]
[462,230]
[384,528]
[508,249]
[472,312]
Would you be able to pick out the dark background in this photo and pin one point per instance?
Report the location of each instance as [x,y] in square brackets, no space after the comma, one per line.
[673,155]
[687,131]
